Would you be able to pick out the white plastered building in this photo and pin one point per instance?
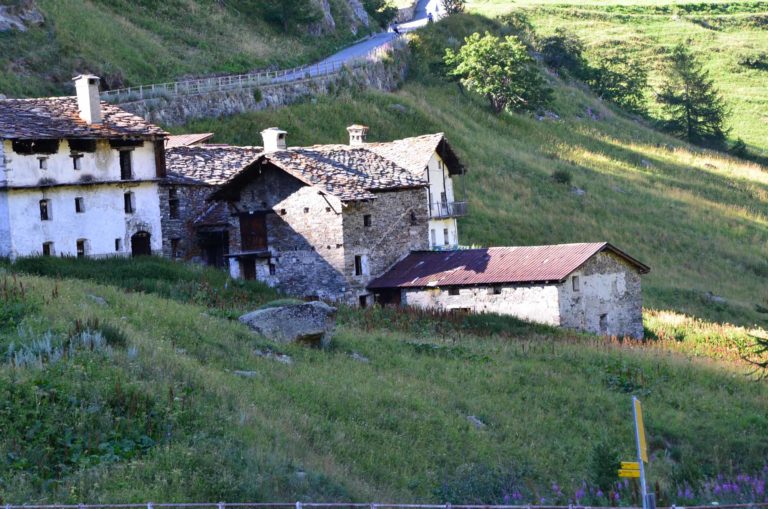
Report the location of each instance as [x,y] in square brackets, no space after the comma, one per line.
[78,177]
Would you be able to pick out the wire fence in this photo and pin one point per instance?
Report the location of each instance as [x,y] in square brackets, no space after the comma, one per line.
[351,505]
[250,80]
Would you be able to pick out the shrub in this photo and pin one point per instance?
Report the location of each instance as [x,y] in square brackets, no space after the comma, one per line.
[257,95]
[562,176]
[603,464]
[565,51]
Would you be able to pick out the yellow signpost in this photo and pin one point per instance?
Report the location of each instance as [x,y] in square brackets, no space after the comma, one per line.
[630,469]
[642,454]
[642,447]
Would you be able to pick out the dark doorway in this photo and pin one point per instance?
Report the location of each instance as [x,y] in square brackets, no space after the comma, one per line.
[248,268]
[604,324]
[215,247]
[253,232]
[140,245]
[388,297]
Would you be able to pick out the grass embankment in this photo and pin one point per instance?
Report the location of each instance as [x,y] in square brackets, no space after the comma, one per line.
[697,217]
[133,43]
[118,396]
[730,36]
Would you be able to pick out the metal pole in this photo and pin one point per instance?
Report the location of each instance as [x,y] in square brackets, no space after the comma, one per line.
[643,485]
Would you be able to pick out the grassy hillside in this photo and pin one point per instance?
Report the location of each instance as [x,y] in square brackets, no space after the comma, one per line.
[730,37]
[696,217]
[130,43]
[108,396]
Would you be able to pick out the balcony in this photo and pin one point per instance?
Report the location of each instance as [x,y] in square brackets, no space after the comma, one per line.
[445,210]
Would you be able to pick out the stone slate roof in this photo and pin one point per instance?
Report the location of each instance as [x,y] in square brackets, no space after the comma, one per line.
[208,164]
[59,118]
[414,154]
[349,173]
[495,265]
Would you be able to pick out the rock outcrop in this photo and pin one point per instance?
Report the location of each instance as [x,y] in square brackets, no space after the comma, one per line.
[312,323]
[353,12]
[20,16]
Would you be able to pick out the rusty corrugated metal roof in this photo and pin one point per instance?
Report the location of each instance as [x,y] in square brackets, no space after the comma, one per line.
[494,265]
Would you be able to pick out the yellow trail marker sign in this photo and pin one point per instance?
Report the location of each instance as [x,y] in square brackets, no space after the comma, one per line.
[630,465]
[640,427]
[629,473]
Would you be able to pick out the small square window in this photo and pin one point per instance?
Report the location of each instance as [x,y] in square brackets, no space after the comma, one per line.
[79,205]
[42,163]
[118,245]
[453,291]
[327,209]
[496,290]
[283,212]
[576,283]
[77,161]
[306,210]
[367,220]
[47,248]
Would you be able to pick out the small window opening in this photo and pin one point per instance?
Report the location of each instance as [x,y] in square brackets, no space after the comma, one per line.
[306,210]
[363,299]
[118,245]
[453,291]
[283,212]
[272,269]
[47,248]
[81,248]
[358,265]
[414,219]
[367,220]
[126,166]
[496,290]
[327,209]
[77,161]
[173,203]
[79,205]
[576,283]
[433,237]
[128,202]
[175,248]
[45,210]
[42,163]
[446,241]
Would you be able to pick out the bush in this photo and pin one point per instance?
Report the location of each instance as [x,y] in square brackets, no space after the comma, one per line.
[257,95]
[564,51]
[562,176]
[603,465]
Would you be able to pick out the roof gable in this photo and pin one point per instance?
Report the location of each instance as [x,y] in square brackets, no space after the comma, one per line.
[415,153]
[495,265]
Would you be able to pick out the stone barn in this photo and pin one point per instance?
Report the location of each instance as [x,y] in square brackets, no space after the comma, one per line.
[591,287]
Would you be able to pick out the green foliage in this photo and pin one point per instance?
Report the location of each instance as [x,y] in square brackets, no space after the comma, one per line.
[739,149]
[500,70]
[382,11]
[290,15]
[564,50]
[621,79]
[473,483]
[693,108]
[257,95]
[454,6]
[562,176]
[603,465]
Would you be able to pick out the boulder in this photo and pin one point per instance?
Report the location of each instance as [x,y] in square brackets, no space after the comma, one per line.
[311,322]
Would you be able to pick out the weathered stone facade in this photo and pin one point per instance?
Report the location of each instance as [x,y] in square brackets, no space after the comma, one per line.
[179,231]
[605,299]
[313,238]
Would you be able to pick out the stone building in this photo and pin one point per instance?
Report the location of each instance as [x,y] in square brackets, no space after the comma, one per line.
[318,221]
[78,177]
[589,287]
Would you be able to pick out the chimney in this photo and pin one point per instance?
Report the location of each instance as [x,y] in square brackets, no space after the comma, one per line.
[274,139]
[357,134]
[88,102]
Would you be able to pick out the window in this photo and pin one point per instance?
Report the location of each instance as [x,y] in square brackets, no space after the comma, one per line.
[82,248]
[358,265]
[118,245]
[42,163]
[433,237]
[327,209]
[272,269]
[576,283]
[77,161]
[79,205]
[173,203]
[496,290]
[45,210]
[453,291]
[47,248]
[445,237]
[283,212]
[175,248]
[128,202]
[306,210]
[414,218]
[363,299]
[367,220]
[126,169]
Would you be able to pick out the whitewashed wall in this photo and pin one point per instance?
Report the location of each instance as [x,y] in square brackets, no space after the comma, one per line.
[533,303]
[103,221]
[104,164]
[440,181]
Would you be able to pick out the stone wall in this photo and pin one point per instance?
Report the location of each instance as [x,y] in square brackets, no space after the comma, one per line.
[536,303]
[383,75]
[192,203]
[610,288]
[405,14]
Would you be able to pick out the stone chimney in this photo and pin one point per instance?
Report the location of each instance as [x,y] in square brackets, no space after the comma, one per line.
[274,139]
[88,102]
[357,134]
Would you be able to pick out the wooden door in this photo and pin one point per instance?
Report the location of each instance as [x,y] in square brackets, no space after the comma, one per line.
[253,232]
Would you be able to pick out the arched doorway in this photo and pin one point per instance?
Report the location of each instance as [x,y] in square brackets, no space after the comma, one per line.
[140,245]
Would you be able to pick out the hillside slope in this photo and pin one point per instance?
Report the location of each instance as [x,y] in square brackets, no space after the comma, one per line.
[108,396]
[131,43]
[696,217]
